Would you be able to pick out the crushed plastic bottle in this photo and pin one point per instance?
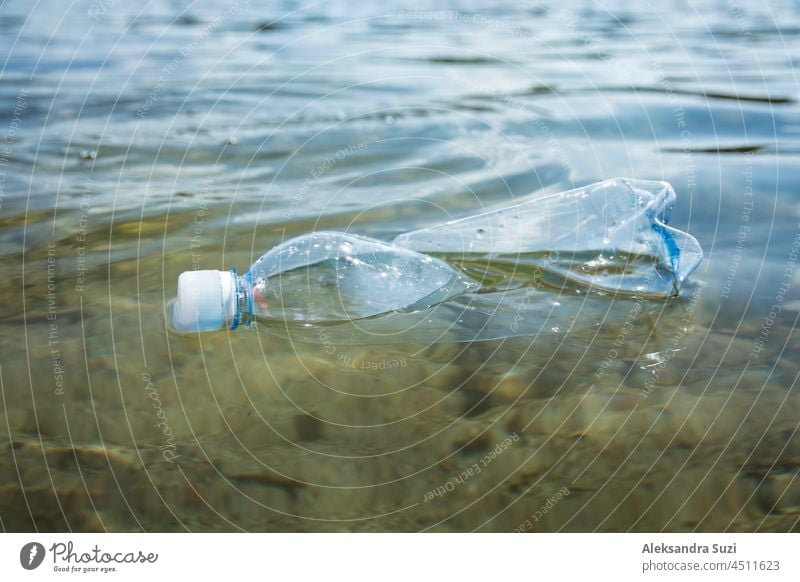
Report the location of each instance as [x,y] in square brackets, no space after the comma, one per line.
[497,275]
[612,235]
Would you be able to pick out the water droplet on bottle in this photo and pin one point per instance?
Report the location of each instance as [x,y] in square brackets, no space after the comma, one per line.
[389,119]
[88,154]
[232,140]
[480,232]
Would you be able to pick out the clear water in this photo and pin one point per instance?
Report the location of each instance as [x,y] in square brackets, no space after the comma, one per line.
[140,140]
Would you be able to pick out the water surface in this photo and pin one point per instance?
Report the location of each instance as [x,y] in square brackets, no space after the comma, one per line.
[144,140]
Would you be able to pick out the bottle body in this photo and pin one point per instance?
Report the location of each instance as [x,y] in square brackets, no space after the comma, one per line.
[335,276]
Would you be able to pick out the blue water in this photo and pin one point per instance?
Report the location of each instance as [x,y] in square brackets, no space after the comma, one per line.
[139,141]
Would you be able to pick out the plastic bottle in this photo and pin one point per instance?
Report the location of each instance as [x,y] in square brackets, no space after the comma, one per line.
[611,237]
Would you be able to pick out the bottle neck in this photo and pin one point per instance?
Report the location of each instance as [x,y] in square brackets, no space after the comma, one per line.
[243,300]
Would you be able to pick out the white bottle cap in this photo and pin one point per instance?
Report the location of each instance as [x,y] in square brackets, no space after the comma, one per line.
[205,302]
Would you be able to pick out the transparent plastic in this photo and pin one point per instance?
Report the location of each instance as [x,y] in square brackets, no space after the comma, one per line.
[334,276]
[514,271]
[612,235]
